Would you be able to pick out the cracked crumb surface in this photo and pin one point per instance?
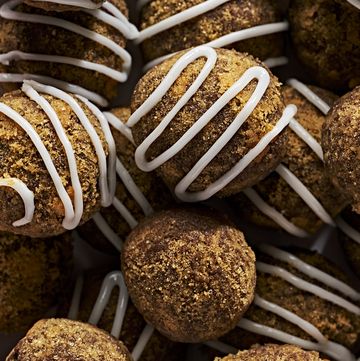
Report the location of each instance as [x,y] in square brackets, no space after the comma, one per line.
[66,340]
[190,273]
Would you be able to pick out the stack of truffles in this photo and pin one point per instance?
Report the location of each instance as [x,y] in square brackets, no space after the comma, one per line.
[224,195]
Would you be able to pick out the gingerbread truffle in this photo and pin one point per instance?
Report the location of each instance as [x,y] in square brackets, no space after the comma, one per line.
[210,25]
[273,353]
[196,168]
[190,273]
[326,39]
[33,273]
[65,5]
[61,339]
[151,193]
[75,50]
[341,144]
[52,177]
[302,161]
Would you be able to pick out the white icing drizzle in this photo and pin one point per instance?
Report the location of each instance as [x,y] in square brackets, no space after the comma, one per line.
[256,72]
[86,4]
[114,19]
[348,230]
[274,62]
[142,342]
[25,193]
[355,3]
[73,313]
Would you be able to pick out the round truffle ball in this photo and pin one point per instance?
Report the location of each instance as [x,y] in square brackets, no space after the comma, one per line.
[190,273]
[67,340]
[341,144]
[326,38]
[54,5]
[224,19]
[33,274]
[21,160]
[156,194]
[228,69]
[273,353]
[305,164]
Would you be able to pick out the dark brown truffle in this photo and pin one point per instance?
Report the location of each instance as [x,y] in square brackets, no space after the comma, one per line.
[222,20]
[53,5]
[303,162]
[327,41]
[273,353]
[341,144]
[33,273]
[66,340]
[190,273]
[230,66]
[20,159]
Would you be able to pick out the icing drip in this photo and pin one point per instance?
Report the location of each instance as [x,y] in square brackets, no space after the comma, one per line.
[263,79]
[111,16]
[348,230]
[355,3]
[73,313]
[73,213]
[86,4]
[142,342]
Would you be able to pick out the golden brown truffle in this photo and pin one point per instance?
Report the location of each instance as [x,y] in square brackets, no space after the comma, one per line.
[273,353]
[20,159]
[54,5]
[229,67]
[222,20]
[33,273]
[66,340]
[190,273]
[341,144]
[327,41]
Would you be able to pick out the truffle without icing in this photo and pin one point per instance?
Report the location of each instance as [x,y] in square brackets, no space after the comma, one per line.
[55,6]
[229,67]
[190,273]
[341,144]
[33,273]
[273,353]
[67,340]
[232,16]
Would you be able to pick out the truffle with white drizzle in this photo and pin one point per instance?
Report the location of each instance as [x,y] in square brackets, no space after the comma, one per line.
[80,51]
[210,121]
[137,194]
[246,26]
[57,161]
[65,5]
[304,163]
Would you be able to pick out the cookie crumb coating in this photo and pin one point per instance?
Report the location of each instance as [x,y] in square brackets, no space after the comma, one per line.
[230,66]
[33,273]
[273,353]
[327,41]
[67,340]
[190,273]
[55,6]
[341,144]
[224,19]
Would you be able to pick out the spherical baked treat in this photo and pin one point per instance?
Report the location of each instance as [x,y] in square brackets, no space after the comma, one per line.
[127,210]
[77,52]
[189,272]
[67,340]
[212,24]
[341,141]
[286,282]
[54,180]
[306,165]
[231,164]
[325,35]
[65,5]
[33,273]
[273,353]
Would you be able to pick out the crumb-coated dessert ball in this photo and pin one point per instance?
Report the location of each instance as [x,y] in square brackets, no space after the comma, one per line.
[272,352]
[324,309]
[305,164]
[211,24]
[65,5]
[138,193]
[190,273]
[67,340]
[33,273]
[76,50]
[53,161]
[341,144]
[196,152]
[326,39]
